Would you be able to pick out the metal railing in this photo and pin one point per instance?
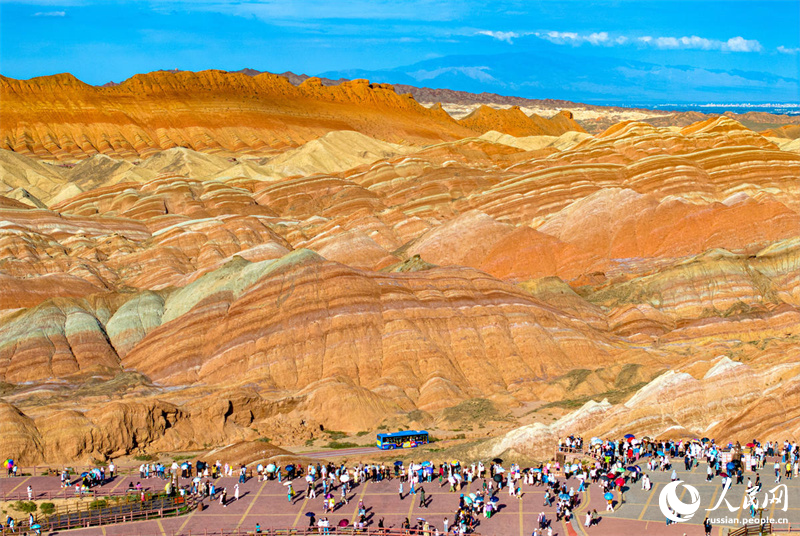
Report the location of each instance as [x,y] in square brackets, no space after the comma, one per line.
[65,518]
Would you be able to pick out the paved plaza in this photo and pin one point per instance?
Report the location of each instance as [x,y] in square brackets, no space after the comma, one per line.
[266,503]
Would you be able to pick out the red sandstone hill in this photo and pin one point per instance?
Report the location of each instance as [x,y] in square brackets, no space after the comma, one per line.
[59,117]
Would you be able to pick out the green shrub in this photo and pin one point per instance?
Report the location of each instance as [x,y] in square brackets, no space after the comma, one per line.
[335,435]
[362,433]
[144,458]
[341,445]
[47,508]
[98,504]
[24,506]
[264,439]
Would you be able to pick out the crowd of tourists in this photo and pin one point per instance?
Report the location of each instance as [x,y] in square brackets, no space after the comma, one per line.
[612,465]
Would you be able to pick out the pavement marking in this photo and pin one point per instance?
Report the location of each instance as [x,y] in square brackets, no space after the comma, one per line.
[649,500]
[252,503]
[299,512]
[411,507]
[160,526]
[521,532]
[103,529]
[713,498]
[18,485]
[185,521]
[121,480]
[360,498]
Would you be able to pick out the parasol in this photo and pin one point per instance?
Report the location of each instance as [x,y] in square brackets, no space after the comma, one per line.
[310,514]
[498,478]
[630,436]
[494,499]
[343,523]
[608,496]
[271,468]
[345,478]
[498,460]
[398,463]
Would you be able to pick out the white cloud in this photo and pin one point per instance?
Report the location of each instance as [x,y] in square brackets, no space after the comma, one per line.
[734,44]
[740,44]
[782,49]
[692,42]
[50,14]
[502,36]
[574,38]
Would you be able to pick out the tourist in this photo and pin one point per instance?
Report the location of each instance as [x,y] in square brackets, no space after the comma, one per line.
[707,526]
[30,493]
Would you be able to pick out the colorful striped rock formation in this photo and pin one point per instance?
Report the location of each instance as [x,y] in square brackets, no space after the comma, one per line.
[342,256]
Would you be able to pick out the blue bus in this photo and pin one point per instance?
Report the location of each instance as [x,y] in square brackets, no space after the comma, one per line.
[402,440]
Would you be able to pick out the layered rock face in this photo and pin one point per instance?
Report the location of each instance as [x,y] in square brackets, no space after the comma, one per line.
[61,118]
[193,298]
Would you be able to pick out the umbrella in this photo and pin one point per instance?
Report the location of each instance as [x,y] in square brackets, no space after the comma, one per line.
[498,460]
[750,445]
[309,478]
[536,470]
[723,474]
[398,463]
[196,479]
[287,483]
[184,465]
[473,496]
[498,478]
[608,496]
[345,478]
[730,466]
[604,478]
[420,519]
[635,469]
[343,523]
[455,462]
[8,464]
[36,526]
[426,464]
[620,481]
[705,440]
[660,452]
[619,470]
[310,514]
[468,500]
[495,499]
[416,467]
[500,470]
[271,468]
[84,475]
[596,440]
[612,476]
[564,496]
[630,436]
[290,467]
[574,467]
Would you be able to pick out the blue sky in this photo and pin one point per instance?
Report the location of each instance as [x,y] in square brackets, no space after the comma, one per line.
[643,51]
